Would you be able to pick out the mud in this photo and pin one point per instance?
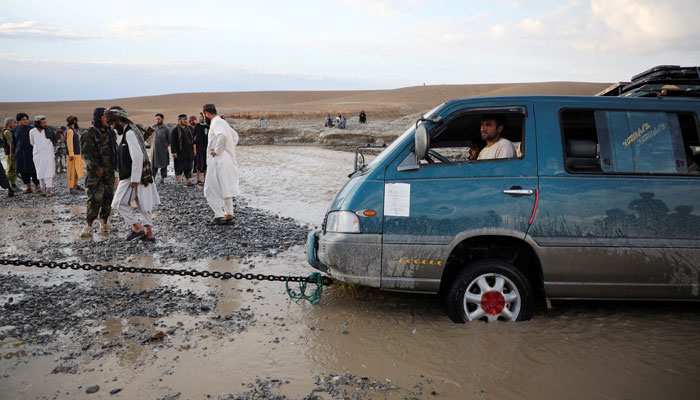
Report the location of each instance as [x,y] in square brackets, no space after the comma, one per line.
[228,339]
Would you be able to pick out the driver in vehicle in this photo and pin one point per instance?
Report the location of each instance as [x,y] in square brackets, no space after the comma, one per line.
[496,146]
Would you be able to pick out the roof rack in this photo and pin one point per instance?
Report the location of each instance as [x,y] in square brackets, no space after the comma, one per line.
[659,81]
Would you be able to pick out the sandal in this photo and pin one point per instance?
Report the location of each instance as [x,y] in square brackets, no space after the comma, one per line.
[134,234]
[148,240]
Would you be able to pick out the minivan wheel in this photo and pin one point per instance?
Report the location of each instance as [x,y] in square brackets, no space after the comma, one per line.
[490,290]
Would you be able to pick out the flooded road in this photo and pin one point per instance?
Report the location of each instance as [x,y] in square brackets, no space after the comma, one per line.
[402,344]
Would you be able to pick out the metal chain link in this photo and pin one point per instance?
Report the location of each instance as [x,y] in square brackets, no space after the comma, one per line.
[161,271]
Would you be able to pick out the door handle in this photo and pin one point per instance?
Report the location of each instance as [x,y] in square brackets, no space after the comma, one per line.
[518,191]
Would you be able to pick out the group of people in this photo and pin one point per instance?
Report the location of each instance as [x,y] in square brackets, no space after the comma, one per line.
[340,122]
[186,142]
[121,161]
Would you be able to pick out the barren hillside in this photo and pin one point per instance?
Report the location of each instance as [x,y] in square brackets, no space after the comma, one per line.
[295,105]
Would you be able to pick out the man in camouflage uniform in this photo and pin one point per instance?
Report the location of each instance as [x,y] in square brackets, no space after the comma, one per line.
[98,148]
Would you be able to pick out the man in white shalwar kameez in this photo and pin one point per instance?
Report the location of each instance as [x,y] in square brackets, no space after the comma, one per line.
[221,182]
[43,155]
[131,193]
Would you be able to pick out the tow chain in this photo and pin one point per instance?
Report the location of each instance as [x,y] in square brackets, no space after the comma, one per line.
[315,278]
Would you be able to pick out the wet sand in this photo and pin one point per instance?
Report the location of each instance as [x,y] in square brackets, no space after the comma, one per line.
[403,345]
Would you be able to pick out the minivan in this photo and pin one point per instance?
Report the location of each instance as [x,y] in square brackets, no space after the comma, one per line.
[599,198]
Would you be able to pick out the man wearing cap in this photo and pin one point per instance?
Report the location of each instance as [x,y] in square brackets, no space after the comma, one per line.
[98,147]
[43,154]
[135,190]
[10,123]
[221,182]
[74,164]
[21,150]
[161,154]
[182,148]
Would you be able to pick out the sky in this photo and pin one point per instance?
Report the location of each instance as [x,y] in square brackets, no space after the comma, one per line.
[81,50]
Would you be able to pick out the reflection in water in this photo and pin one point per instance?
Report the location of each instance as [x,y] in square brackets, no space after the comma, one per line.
[114,327]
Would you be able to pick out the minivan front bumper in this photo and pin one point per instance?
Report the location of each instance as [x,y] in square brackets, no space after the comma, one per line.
[349,257]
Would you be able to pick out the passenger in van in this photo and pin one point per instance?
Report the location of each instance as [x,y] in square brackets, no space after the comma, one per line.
[496,146]
[474,150]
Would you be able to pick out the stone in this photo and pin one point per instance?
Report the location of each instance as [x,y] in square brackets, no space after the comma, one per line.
[92,389]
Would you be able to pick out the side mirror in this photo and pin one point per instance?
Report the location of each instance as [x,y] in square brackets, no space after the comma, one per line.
[422,142]
[359,161]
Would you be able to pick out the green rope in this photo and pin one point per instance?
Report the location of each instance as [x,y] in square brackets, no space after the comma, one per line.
[314,297]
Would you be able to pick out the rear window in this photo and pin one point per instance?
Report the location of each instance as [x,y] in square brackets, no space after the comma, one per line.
[630,142]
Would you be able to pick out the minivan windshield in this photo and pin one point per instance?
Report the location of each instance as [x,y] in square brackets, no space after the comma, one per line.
[380,158]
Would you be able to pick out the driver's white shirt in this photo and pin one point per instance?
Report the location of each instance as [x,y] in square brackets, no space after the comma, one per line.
[501,149]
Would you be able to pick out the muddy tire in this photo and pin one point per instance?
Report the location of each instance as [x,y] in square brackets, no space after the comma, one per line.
[490,290]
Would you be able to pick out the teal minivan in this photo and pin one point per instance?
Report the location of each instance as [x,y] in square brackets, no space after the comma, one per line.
[599,198]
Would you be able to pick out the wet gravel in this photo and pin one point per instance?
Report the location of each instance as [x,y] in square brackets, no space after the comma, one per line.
[182,227]
[345,386]
[73,310]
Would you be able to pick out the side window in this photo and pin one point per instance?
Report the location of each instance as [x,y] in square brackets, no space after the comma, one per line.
[460,139]
[582,149]
[645,142]
[641,142]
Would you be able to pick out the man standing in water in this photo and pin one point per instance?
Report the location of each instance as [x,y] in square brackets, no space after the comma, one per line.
[221,182]
[74,164]
[132,188]
[98,147]
[21,152]
[161,154]
[43,154]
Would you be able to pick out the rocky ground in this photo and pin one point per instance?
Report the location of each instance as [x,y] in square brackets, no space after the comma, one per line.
[182,228]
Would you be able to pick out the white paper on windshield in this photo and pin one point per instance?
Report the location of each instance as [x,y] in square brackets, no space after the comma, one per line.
[397,199]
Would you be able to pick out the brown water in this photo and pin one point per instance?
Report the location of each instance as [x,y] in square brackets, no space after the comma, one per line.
[579,350]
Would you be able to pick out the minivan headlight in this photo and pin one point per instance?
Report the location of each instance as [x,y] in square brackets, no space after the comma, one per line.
[342,221]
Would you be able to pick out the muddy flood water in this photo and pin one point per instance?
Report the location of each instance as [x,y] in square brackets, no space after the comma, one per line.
[355,343]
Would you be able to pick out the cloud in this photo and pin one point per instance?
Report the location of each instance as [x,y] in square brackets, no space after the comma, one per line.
[43,31]
[384,7]
[624,26]
[147,29]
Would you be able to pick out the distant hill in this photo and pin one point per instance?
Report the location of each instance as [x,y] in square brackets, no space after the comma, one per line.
[295,105]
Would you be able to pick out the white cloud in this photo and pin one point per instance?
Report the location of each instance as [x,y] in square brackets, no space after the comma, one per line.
[624,26]
[44,31]
[136,30]
[383,7]
[647,24]
[532,26]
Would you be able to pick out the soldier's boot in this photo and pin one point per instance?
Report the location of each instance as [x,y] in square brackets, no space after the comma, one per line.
[87,231]
[106,227]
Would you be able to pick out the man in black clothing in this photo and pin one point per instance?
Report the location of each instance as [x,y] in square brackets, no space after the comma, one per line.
[201,141]
[182,149]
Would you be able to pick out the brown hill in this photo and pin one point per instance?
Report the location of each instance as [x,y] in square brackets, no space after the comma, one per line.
[295,105]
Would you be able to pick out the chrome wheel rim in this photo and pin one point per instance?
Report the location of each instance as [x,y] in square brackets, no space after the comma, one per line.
[492,297]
